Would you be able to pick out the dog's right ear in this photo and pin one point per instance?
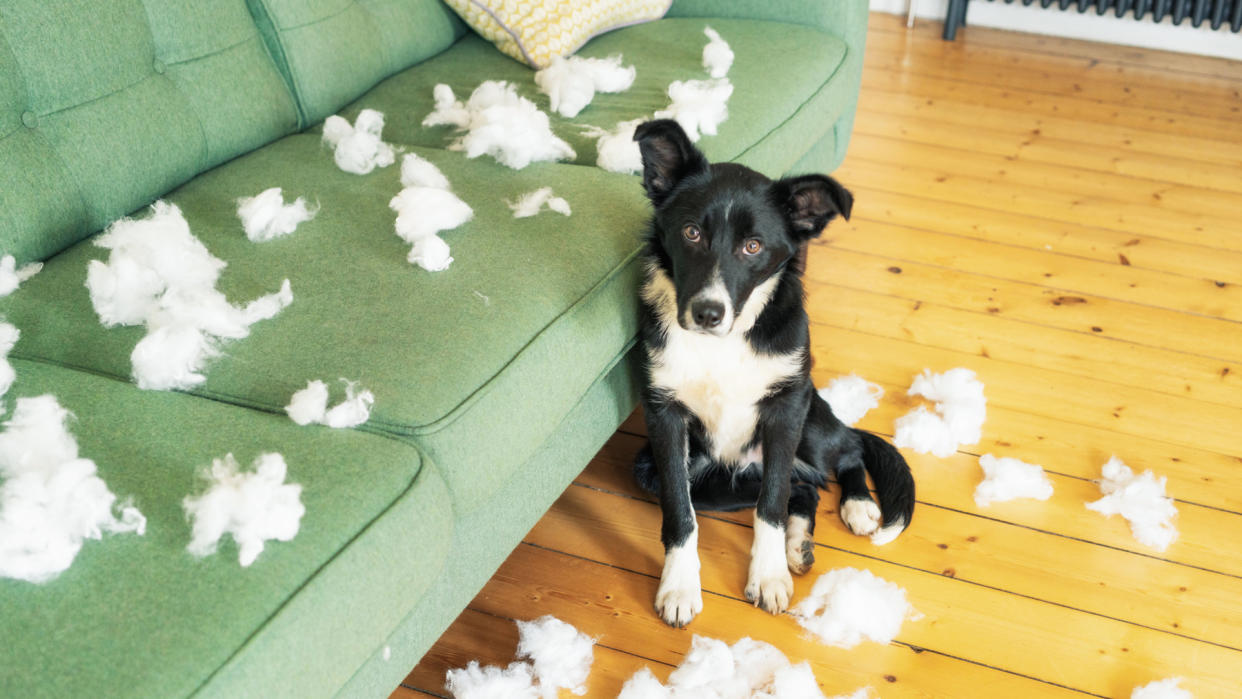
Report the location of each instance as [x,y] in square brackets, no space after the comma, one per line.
[668,157]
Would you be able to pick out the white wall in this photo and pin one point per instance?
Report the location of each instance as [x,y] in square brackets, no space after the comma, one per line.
[1088,25]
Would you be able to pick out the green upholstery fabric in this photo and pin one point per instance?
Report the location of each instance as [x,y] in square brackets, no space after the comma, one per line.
[138,616]
[774,116]
[502,343]
[330,51]
[485,537]
[106,105]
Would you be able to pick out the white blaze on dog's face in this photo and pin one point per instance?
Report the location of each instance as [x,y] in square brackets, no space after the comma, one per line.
[725,232]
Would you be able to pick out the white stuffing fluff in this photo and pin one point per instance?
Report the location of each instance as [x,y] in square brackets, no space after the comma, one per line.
[253,507]
[159,275]
[571,83]
[266,216]
[9,335]
[499,122]
[417,171]
[560,654]
[531,203]
[491,682]
[698,105]
[310,405]
[51,500]
[353,411]
[424,208]
[851,397]
[717,56]
[961,409]
[847,605]
[1008,479]
[617,150]
[430,253]
[749,669]
[359,149]
[11,277]
[1141,500]
[1161,689]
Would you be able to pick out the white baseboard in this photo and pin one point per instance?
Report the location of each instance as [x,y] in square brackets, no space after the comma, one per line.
[1166,36]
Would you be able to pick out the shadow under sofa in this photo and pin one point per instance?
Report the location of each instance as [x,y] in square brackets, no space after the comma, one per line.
[496,381]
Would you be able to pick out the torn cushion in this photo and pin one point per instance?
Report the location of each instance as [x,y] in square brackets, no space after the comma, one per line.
[221,630]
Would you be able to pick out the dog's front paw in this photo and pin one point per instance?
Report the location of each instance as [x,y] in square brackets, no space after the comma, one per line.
[861,515]
[678,605]
[772,592]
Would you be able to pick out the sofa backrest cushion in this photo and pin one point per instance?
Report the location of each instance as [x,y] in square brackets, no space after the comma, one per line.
[332,51]
[106,105]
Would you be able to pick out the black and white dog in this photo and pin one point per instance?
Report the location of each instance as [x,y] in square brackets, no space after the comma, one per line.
[732,416]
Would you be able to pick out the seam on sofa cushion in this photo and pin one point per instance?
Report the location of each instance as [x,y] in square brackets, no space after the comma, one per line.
[275,46]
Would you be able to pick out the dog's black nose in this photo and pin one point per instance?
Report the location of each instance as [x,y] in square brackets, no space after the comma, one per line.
[707,313]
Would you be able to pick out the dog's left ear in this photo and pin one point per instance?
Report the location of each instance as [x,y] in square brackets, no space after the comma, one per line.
[811,201]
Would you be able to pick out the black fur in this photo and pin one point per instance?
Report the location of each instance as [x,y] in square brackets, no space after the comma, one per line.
[802,442]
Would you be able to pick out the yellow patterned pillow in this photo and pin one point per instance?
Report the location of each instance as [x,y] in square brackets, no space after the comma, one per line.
[536,31]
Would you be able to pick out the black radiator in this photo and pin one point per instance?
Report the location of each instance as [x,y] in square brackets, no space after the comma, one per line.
[1219,13]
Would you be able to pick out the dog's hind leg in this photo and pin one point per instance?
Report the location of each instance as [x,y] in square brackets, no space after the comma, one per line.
[832,447]
[800,527]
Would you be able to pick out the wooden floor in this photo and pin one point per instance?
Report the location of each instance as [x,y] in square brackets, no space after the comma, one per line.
[1065,218]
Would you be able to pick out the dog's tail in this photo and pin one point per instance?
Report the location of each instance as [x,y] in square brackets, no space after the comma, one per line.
[894,484]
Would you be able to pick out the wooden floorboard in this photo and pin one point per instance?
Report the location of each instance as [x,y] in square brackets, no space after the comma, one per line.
[1064,218]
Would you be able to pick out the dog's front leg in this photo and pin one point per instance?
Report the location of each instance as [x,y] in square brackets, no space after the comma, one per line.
[769,584]
[680,596]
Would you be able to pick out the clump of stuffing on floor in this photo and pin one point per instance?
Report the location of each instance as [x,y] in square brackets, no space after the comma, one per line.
[700,106]
[961,409]
[425,207]
[532,203]
[310,406]
[1008,478]
[851,397]
[748,669]
[51,499]
[252,506]
[1161,689]
[717,56]
[499,122]
[11,276]
[359,148]
[848,605]
[571,83]
[161,276]
[266,216]
[558,656]
[1141,500]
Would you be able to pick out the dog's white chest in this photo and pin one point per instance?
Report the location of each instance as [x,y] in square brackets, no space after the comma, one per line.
[721,381]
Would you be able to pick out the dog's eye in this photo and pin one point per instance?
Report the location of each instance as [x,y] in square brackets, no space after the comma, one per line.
[752,247]
[692,233]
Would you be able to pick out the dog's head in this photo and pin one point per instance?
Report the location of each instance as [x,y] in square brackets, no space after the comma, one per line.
[723,230]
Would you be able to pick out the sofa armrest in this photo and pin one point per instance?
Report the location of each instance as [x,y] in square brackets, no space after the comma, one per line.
[844,19]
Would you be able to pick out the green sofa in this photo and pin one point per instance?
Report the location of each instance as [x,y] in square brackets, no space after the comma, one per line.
[495,381]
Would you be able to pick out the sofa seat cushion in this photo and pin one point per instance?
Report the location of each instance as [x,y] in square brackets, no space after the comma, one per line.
[477,363]
[139,616]
[774,115]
